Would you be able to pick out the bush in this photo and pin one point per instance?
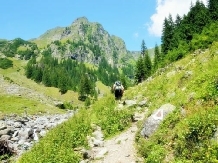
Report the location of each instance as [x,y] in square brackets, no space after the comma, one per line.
[110,119]
[194,143]
[5,63]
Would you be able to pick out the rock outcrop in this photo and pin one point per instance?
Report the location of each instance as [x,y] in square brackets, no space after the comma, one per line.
[20,133]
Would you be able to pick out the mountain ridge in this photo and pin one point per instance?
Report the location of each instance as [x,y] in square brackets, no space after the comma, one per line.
[93,37]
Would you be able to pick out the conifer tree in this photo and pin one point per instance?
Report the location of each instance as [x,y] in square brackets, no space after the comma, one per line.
[213,9]
[167,35]
[140,70]
[197,17]
[37,74]
[143,48]
[29,70]
[147,65]
[46,78]
[63,83]
[85,87]
[157,58]
[146,59]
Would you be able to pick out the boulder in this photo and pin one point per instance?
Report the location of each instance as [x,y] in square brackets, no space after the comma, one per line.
[152,123]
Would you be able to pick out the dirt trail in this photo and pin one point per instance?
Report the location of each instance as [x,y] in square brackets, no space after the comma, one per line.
[121,148]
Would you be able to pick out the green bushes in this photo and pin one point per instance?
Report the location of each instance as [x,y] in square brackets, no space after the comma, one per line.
[195,141]
[206,38]
[5,63]
[109,118]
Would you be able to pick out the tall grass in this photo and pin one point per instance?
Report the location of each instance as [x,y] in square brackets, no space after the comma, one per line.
[59,144]
[187,135]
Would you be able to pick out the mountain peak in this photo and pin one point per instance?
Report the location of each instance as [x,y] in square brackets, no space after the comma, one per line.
[81,20]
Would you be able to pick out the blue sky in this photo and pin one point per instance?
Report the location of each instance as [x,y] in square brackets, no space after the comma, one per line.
[131,20]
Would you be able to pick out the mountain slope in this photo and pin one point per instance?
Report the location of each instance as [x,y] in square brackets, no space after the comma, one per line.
[189,84]
[86,41]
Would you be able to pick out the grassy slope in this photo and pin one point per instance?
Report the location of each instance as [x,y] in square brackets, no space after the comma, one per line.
[16,74]
[191,85]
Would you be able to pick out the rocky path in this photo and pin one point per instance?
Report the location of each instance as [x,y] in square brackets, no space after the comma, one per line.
[121,149]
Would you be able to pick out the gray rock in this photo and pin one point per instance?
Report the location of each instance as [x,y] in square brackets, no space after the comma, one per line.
[17,124]
[130,102]
[98,135]
[143,103]
[153,122]
[98,143]
[101,153]
[6,131]
[88,154]
[2,125]
[5,137]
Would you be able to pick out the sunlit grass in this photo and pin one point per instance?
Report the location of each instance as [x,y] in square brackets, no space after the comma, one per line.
[19,105]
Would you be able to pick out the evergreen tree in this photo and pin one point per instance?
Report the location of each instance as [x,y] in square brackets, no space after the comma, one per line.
[29,70]
[147,60]
[85,87]
[143,48]
[167,35]
[197,17]
[213,9]
[46,78]
[140,70]
[37,74]
[147,65]
[63,81]
[157,57]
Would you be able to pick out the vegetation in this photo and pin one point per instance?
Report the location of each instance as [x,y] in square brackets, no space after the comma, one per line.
[11,48]
[184,73]
[5,63]
[187,135]
[188,33]
[143,65]
[67,73]
[59,144]
[20,105]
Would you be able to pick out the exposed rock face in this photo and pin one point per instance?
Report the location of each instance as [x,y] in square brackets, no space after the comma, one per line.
[91,43]
[152,122]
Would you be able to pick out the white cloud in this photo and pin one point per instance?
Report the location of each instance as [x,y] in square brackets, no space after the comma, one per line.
[136,35]
[166,7]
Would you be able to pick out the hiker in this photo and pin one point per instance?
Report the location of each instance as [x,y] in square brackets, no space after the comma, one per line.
[118,90]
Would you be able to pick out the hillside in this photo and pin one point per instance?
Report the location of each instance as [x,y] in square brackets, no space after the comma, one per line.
[85,41]
[57,105]
[190,85]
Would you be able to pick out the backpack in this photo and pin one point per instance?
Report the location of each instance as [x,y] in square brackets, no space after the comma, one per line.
[118,86]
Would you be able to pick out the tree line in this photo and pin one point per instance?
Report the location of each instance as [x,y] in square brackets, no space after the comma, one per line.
[195,30]
[68,74]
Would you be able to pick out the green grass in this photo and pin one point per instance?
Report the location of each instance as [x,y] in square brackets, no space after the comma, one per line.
[183,137]
[16,74]
[19,105]
[59,144]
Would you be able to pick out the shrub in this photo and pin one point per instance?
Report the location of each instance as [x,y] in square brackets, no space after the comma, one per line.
[5,63]
[195,140]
